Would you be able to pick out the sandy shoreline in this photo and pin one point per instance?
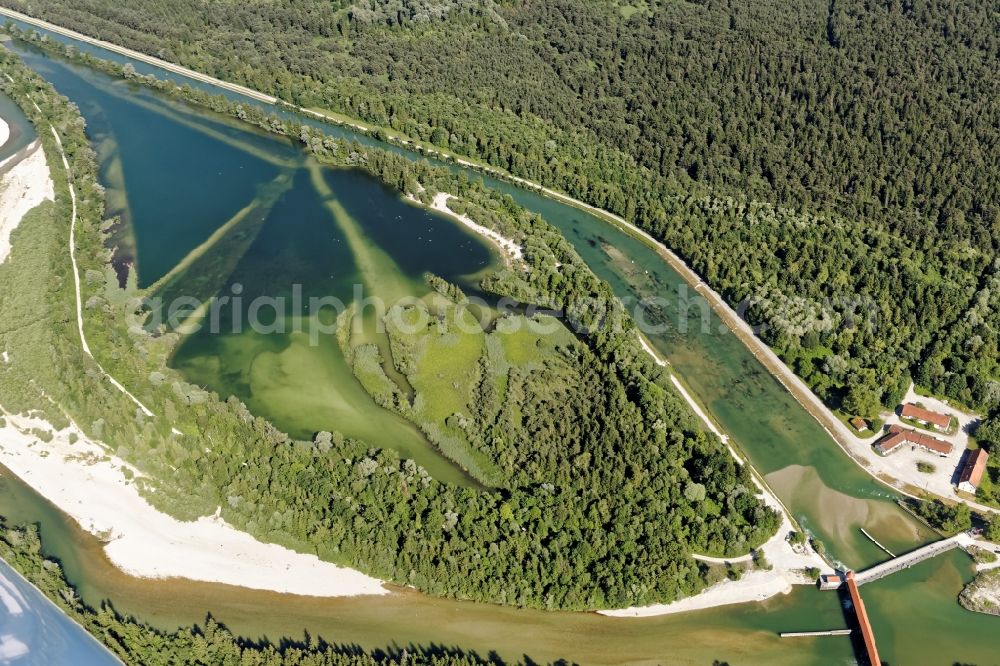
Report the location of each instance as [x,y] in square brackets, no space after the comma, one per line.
[96,489]
[26,185]
[93,487]
[511,250]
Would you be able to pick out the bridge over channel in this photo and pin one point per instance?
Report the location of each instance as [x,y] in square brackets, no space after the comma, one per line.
[853,580]
[907,560]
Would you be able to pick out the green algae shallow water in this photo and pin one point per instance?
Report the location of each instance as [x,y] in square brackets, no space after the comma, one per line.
[297,376]
[297,226]
[824,489]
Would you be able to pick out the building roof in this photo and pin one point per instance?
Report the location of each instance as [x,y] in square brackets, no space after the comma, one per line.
[912,411]
[890,441]
[859,423]
[974,467]
[898,435]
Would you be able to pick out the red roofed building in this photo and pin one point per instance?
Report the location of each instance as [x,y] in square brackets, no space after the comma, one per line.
[926,416]
[830,581]
[888,444]
[973,470]
[898,436]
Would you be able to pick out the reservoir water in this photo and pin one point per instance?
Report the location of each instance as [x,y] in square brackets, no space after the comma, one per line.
[295,237]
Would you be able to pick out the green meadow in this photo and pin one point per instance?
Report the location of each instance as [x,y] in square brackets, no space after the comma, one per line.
[450,355]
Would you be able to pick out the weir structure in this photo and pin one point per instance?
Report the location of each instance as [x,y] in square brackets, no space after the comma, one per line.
[827,632]
[854,580]
[838,581]
[907,560]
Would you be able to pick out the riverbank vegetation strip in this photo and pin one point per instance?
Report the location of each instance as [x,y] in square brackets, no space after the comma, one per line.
[639,458]
[76,277]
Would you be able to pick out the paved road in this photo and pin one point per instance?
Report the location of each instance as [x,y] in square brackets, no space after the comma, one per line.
[142,57]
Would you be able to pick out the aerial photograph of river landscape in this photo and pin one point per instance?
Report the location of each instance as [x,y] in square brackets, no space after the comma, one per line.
[506,332]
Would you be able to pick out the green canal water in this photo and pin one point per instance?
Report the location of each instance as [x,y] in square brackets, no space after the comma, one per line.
[176,175]
[828,493]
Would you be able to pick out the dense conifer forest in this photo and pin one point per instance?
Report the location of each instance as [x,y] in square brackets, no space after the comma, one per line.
[831,167]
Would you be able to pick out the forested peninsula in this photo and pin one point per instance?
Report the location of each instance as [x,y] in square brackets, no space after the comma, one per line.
[832,169]
[621,475]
